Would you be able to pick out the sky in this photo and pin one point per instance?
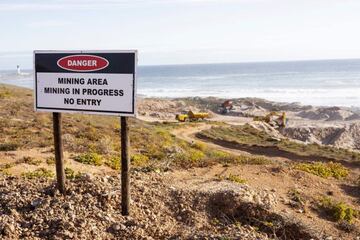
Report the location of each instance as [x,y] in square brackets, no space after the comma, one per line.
[182,31]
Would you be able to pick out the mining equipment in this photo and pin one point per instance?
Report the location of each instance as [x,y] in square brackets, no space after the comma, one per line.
[226,107]
[191,116]
[275,119]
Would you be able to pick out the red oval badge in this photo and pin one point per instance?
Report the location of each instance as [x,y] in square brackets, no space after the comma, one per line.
[82,63]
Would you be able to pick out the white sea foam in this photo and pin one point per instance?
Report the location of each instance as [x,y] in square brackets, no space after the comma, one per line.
[325,83]
[321,97]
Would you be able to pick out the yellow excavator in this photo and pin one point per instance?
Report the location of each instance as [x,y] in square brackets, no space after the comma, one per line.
[191,116]
[276,119]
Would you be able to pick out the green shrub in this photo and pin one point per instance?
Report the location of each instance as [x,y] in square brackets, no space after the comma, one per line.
[324,170]
[50,160]
[296,196]
[139,160]
[70,174]
[219,154]
[225,157]
[8,146]
[113,162]
[39,173]
[199,146]
[90,158]
[195,155]
[236,179]
[31,161]
[5,93]
[338,210]
[252,160]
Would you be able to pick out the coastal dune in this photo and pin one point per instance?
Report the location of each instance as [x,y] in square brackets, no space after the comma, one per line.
[226,176]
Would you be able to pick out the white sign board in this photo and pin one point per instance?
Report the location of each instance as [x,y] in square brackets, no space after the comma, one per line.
[98,82]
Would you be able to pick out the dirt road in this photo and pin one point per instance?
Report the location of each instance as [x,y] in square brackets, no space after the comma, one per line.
[187,133]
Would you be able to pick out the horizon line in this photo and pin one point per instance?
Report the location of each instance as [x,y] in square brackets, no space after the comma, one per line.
[240,62]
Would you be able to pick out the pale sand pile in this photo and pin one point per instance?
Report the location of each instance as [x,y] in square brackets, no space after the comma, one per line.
[329,114]
[347,136]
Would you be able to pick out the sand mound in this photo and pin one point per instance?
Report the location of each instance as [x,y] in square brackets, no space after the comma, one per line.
[329,114]
[263,126]
[163,108]
[344,137]
[349,137]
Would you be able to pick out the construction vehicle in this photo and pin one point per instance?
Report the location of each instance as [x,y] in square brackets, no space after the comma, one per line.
[226,107]
[275,119]
[191,116]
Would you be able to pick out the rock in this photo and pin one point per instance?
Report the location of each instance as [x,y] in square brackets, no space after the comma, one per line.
[35,203]
[68,206]
[116,227]
[87,177]
[130,223]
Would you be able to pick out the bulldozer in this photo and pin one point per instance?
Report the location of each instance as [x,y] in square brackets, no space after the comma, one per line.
[226,107]
[191,116]
[276,119]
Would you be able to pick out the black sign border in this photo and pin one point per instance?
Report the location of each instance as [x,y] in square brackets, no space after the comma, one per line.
[69,110]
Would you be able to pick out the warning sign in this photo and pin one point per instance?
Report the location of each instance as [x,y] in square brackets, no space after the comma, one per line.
[86,81]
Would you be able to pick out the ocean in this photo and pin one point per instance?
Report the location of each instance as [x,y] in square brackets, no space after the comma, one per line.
[319,83]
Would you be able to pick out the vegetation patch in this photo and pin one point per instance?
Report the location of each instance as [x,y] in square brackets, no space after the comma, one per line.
[236,179]
[113,162]
[220,155]
[4,169]
[338,211]
[5,93]
[38,173]
[252,160]
[295,196]
[50,160]
[7,165]
[228,158]
[90,158]
[324,170]
[199,146]
[139,160]
[8,146]
[70,173]
[31,161]
[195,155]
[297,200]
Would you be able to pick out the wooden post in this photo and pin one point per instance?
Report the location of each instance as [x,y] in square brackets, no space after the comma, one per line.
[125,167]
[59,159]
